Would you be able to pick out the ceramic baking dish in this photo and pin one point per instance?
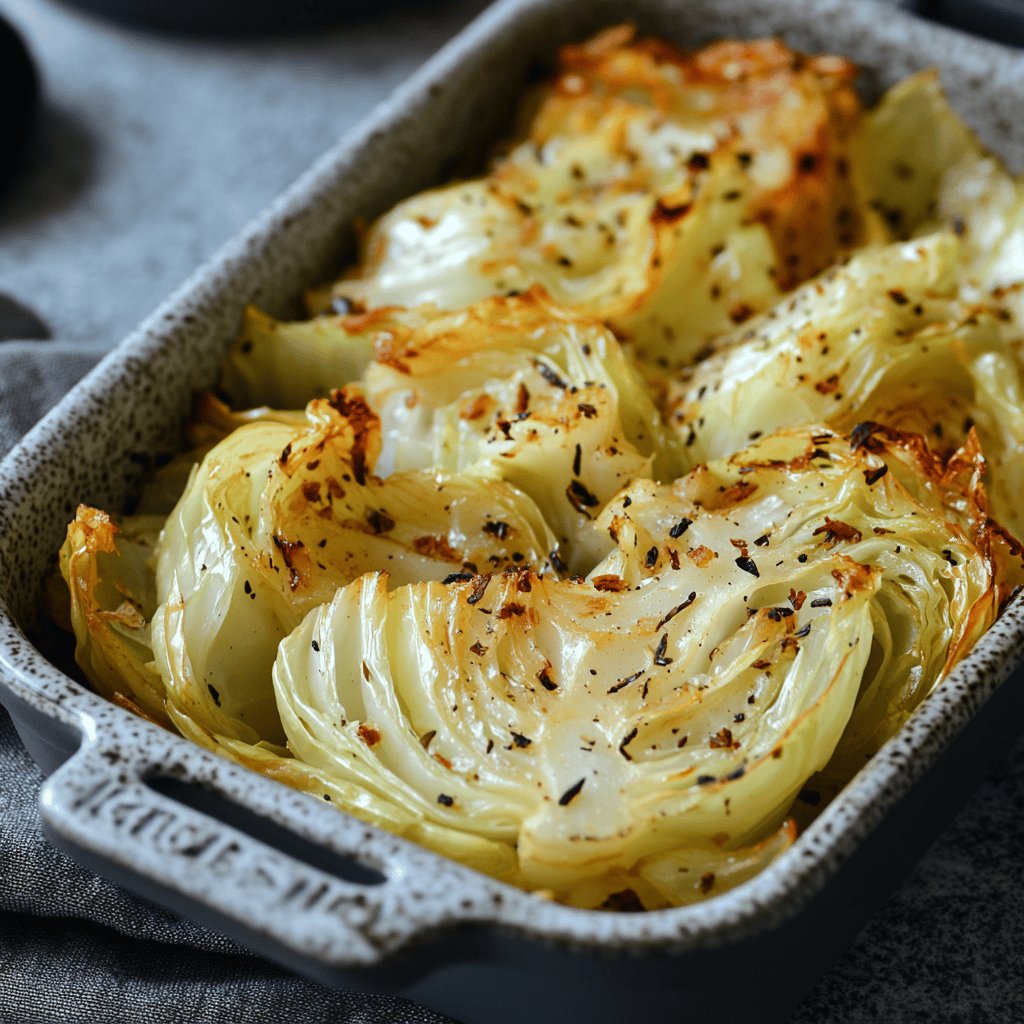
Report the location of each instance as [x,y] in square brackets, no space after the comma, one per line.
[346,903]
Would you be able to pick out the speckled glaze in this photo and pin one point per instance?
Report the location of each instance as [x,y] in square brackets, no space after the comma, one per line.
[425,926]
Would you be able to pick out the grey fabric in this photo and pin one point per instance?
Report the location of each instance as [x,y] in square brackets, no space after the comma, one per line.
[945,949]
[67,971]
[36,880]
[34,376]
[18,321]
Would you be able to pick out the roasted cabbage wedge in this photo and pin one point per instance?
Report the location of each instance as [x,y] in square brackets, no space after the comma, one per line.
[759,619]
[669,193]
[516,389]
[520,390]
[275,519]
[880,499]
[615,499]
[108,565]
[883,337]
[918,167]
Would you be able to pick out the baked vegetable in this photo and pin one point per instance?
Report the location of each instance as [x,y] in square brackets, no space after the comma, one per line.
[672,194]
[884,337]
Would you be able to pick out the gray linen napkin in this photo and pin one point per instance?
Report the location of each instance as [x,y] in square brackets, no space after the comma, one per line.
[73,948]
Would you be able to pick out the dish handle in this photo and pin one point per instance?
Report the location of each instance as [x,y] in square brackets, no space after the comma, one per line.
[295,882]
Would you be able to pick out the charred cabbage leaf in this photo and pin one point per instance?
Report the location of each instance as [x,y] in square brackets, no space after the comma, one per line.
[885,338]
[274,520]
[110,580]
[670,193]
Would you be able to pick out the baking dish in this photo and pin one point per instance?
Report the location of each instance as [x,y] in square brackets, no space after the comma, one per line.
[323,893]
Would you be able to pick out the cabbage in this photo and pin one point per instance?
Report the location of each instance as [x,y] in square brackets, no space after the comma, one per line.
[920,167]
[286,364]
[516,389]
[670,194]
[108,566]
[884,338]
[519,390]
[757,617]
[110,583]
[542,720]
[465,593]
[881,499]
[274,520]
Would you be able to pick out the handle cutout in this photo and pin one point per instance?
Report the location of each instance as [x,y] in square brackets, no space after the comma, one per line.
[291,844]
